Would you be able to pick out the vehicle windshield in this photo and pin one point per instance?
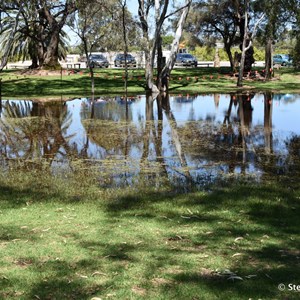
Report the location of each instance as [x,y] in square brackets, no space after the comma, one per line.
[122,56]
[187,56]
[97,56]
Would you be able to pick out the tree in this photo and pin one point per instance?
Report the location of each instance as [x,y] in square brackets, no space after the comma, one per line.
[153,46]
[247,38]
[293,8]
[26,42]
[43,23]
[276,17]
[216,20]
[55,13]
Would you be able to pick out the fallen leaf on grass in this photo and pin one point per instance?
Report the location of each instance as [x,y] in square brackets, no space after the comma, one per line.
[203,256]
[237,254]
[46,229]
[82,276]
[234,277]
[209,232]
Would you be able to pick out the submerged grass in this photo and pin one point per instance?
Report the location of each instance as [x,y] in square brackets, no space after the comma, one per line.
[111,81]
[64,237]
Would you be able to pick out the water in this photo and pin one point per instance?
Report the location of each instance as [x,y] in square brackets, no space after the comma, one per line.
[183,139]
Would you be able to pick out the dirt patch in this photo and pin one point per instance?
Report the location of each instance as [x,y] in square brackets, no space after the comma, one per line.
[138,290]
[36,72]
[161,281]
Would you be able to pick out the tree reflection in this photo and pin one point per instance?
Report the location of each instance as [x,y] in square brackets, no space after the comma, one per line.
[152,144]
[35,132]
[234,145]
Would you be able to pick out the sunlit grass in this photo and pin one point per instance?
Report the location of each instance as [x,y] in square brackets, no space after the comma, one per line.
[111,81]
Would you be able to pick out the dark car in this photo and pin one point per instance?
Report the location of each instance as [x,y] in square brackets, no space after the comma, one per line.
[98,60]
[120,60]
[186,59]
[282,59]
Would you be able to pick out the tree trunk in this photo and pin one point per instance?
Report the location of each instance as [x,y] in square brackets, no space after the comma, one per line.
[56,22]
[160,64]
[268,58]
[175,45]
[230,57]
[86,51]
[125,54]
[51,55]
[244,45]
[34,62]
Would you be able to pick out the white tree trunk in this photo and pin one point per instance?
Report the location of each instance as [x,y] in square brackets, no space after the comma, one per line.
[175,45]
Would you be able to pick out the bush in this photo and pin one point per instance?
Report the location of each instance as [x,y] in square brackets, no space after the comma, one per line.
[208,53]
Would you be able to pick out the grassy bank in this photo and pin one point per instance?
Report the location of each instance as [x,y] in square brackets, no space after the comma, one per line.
[65,238]
[111,81]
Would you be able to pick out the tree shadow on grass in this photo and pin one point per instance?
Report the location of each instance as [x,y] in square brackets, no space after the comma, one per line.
[253,230]
[175,243]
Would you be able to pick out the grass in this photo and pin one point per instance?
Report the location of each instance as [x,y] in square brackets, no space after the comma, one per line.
[66,238]
[110,81]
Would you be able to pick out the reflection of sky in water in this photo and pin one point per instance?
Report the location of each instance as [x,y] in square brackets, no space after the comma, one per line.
[209,108]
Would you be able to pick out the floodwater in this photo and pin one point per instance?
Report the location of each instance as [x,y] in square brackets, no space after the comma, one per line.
[182,139]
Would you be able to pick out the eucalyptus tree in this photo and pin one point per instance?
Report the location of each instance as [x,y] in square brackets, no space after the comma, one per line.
[277,17]
[98,24]
[247,37]
[155,13]
[216,20]
[293,8]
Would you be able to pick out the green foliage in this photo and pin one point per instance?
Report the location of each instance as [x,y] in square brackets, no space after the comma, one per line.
[167,41]
[207,53]
[259,54]
[296,54]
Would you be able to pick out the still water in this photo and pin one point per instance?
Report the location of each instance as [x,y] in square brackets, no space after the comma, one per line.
[195,139]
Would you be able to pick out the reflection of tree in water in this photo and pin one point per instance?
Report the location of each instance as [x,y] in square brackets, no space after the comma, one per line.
[235,144]
[35,132]
[109,109]
[125,151]
[106,126]
[109,126]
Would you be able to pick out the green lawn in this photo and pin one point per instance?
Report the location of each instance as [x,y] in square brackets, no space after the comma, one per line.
[111,81]
[66,238]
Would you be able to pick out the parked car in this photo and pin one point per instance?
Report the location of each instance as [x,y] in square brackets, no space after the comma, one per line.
[98,60]
[282,59]
[120,60]
[186,59]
